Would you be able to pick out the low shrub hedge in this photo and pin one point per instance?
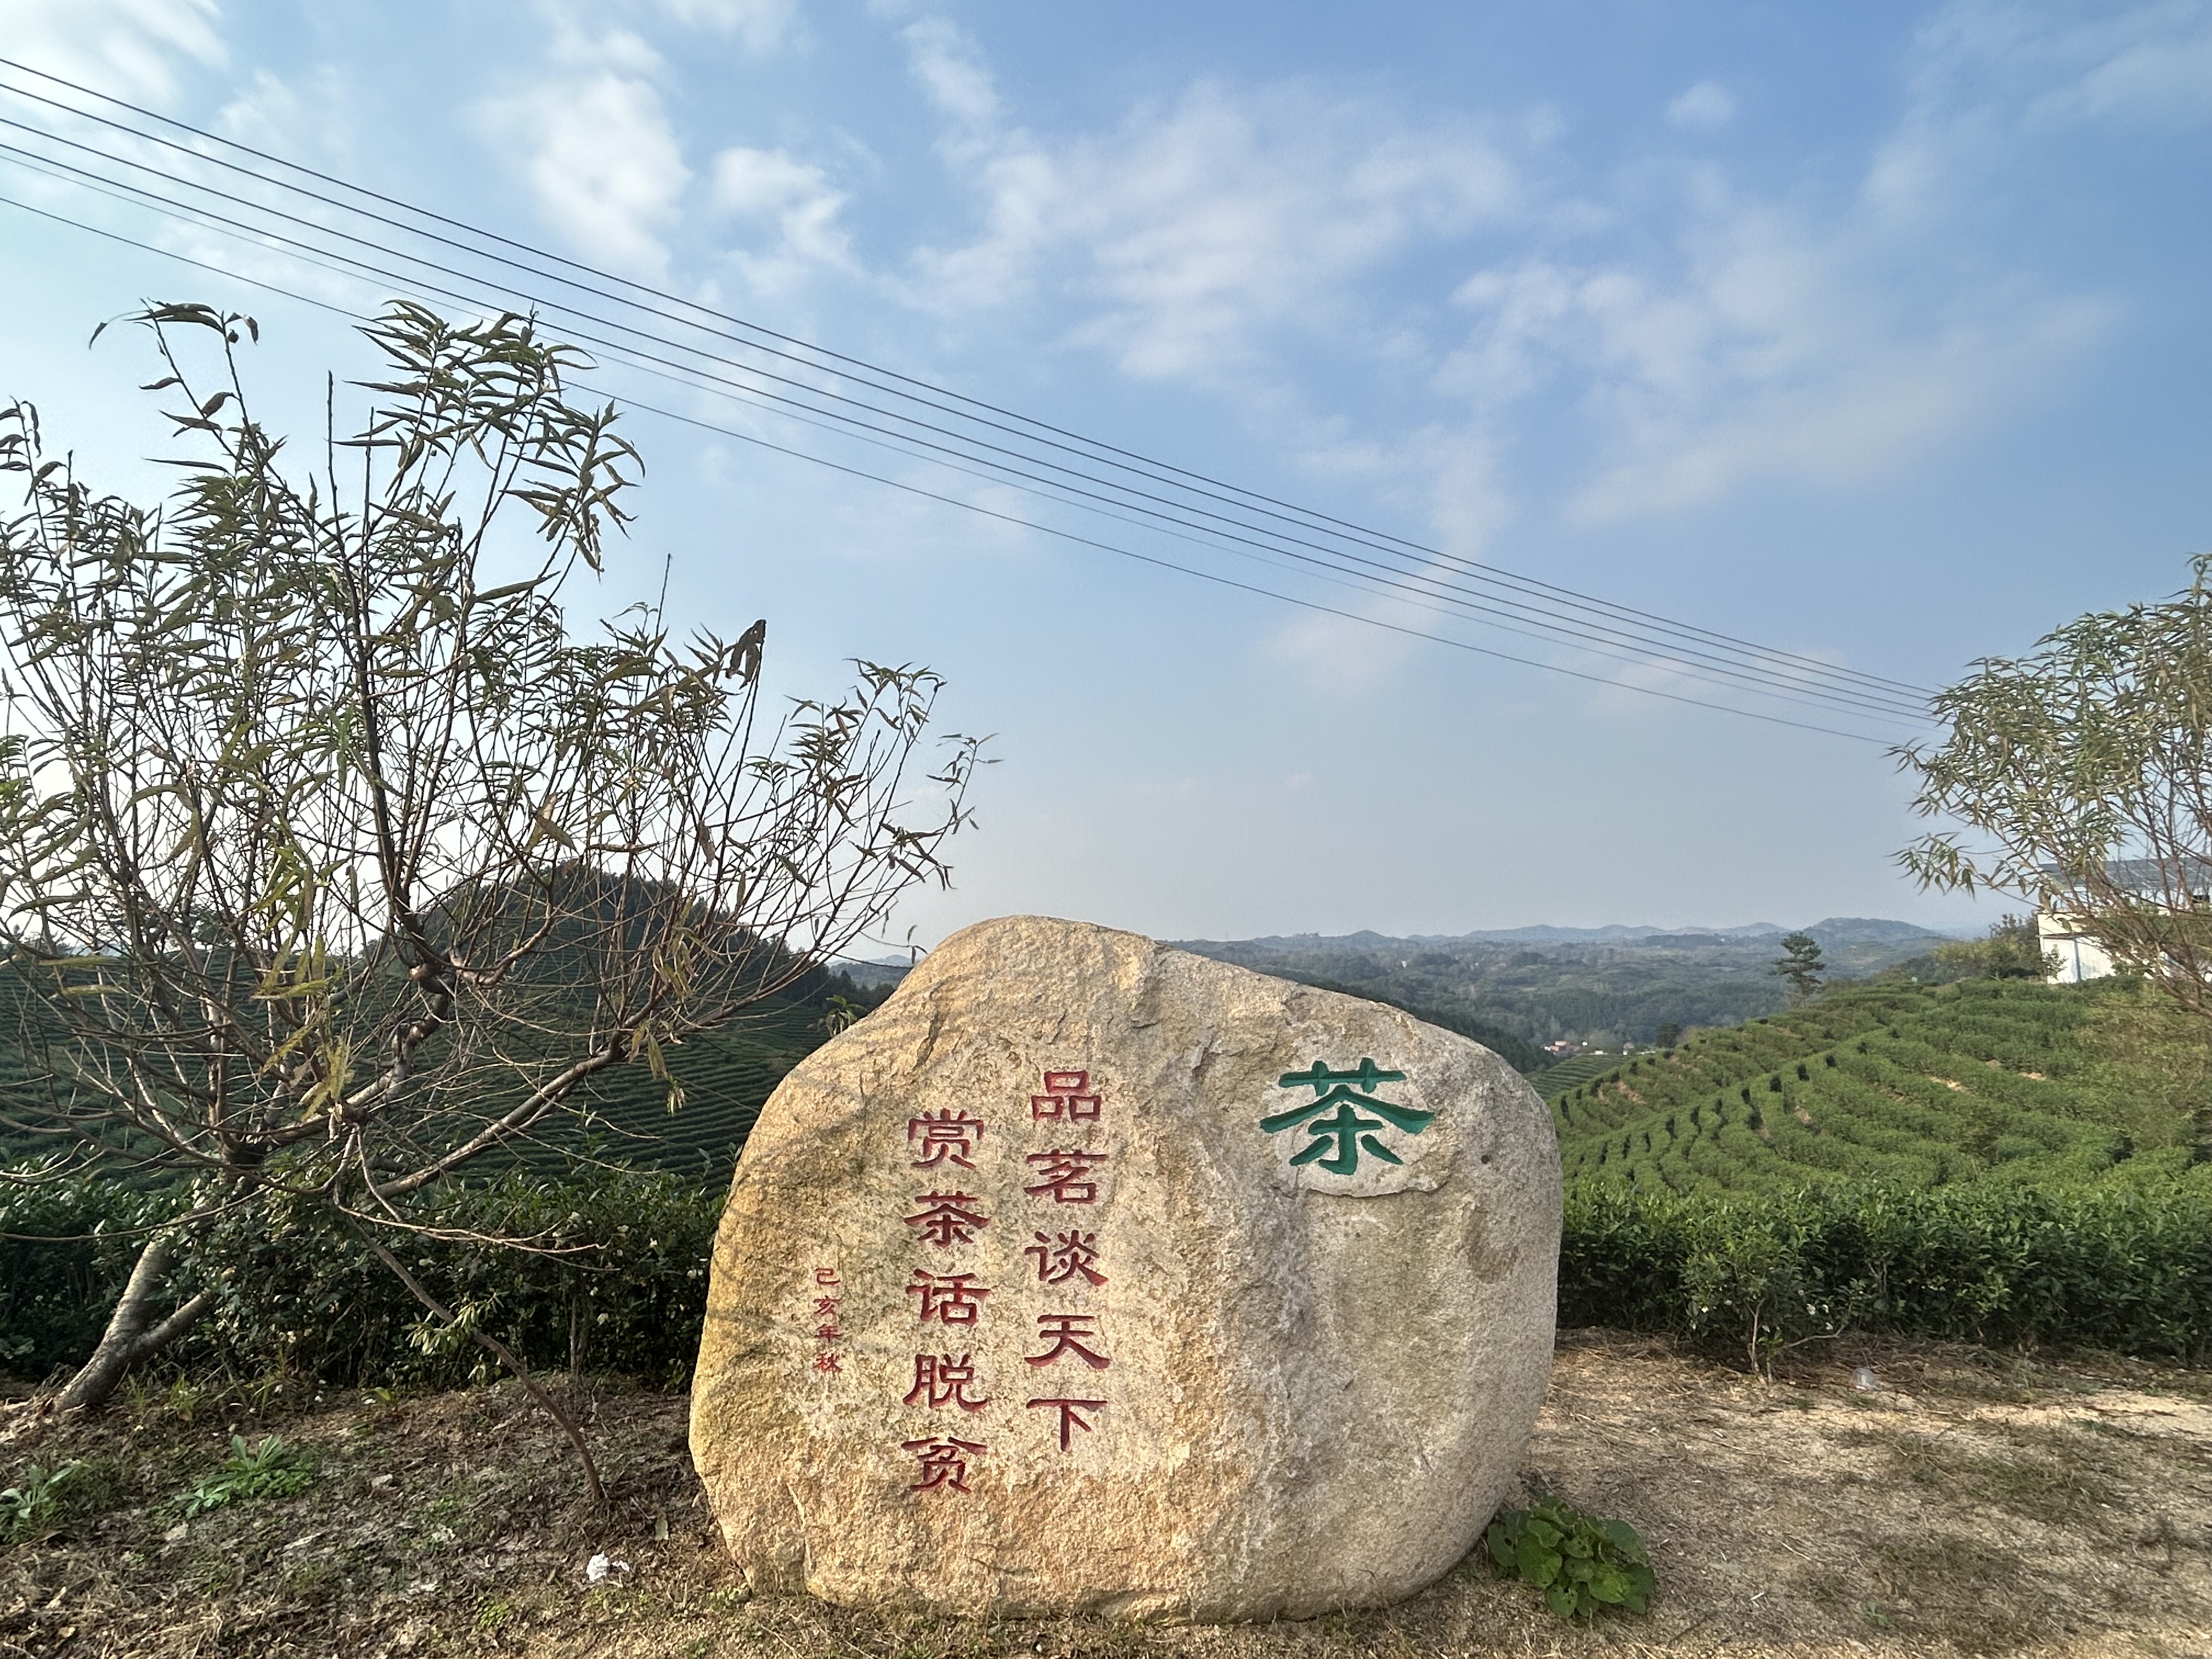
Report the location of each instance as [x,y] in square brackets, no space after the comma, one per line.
[2121,1266]
[617,1276]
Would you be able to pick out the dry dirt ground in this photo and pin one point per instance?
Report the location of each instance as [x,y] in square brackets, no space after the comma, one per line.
[1968,1504]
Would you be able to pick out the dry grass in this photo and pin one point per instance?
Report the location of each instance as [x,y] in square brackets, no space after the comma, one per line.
[1967,1505]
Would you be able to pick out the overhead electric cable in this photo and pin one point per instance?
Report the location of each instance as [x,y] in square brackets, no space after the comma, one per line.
[1785,690]
[1422,597]
[1606,641]
[990,513]
[1762,672]
[1665,651]
[1095,447]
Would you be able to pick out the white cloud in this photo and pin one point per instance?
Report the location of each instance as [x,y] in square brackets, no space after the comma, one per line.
[2143,65]
[1776,346]
[598,152]
[131,47]
[951,69]
[1825,341]
[759,26]
[1198,228]
[1696,338]
[1707,107]
[1339,655]
[795,201]
[1988,81]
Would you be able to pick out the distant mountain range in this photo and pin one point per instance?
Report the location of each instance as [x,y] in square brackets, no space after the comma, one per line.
[1520,988]
[1516,988]
[1833,931]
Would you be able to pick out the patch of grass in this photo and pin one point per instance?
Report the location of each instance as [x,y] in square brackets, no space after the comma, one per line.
[493,1614]
[35,1502]
[312,1583]
[2064,1488]
[45,1496]
[248,1473]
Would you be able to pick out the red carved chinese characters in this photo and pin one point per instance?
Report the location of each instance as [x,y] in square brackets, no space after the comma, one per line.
[945,1139]
[1068,1419]
[949,1299]
[1062,1256]
[1065,1098]
[826,1333]
[942,1136]
[943,1461]
[1068,1177]
[948,1218]
[940,1381]
[1068,1333]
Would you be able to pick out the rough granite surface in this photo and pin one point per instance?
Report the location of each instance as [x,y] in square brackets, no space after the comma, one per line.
[1283,1387]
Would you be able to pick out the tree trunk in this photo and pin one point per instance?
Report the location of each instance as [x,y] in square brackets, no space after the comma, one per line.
[131,1334]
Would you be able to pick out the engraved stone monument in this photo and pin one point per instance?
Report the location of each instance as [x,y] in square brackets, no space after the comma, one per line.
[1087,1274]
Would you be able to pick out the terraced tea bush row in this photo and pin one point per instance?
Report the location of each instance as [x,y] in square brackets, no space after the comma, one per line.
[1911,1086]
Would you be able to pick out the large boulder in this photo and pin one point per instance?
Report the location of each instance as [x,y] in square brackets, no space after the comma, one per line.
[1087,1274]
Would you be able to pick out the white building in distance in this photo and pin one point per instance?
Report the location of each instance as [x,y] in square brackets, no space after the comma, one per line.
[2080,956]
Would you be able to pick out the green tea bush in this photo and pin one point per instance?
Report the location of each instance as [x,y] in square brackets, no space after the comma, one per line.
[616,1279]
[65,1251]
[2122,1266]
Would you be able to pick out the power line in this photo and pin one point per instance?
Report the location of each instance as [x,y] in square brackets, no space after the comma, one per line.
[985,512]
[1764,672]
[1761,682]
[1090,446]
[1425,588]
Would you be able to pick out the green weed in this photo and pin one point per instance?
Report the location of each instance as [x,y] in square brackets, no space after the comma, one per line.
[271,1469]
[34,1503]
[1581,1564]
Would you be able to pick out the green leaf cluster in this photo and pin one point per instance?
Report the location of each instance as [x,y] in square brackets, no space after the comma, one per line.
[2077,774]
[273,1468]
[618,1280]
[1583,1564]
[34,1503]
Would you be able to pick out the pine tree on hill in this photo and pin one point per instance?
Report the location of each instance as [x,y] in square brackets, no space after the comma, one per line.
[1801,965]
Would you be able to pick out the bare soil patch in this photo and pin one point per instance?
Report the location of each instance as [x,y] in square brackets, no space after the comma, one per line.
[1965,1504]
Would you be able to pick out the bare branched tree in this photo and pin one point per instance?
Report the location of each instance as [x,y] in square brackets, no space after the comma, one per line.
[332,857]
[2083,771]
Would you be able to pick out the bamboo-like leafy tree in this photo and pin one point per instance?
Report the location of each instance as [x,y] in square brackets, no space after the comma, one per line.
[331,857]
[2082,773]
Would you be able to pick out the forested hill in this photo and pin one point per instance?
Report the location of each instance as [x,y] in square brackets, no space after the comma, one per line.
[1602,986]
[623,1115]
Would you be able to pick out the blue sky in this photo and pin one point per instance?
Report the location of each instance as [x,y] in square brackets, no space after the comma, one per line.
[1873,333]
